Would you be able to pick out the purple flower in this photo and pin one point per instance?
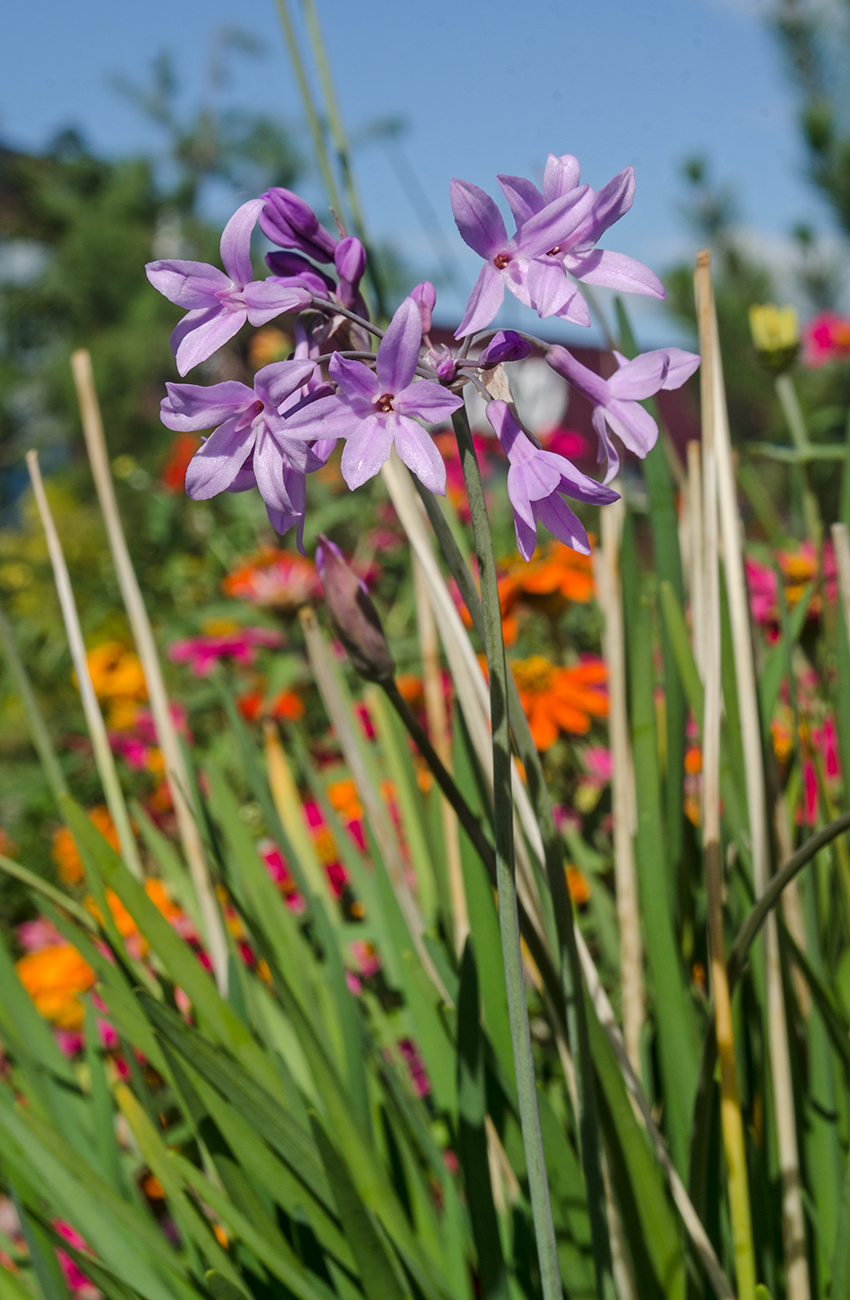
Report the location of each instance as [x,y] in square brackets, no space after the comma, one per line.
[287,220]
[537,482]
[506,345]
[616,400]
[375,412]
[292,266]
[577,252]
[528,264]
[248,447]
[219,303]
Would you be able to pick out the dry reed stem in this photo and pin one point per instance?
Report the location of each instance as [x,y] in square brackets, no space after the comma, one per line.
[607,570]
[793,1220]
[438,727]
[91,708]
[730,1109]
[166,732]
[697,560]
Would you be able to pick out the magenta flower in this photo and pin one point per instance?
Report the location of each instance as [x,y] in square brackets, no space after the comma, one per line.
[578,253]
[219,303]
[249,446]
[202,653]
[537,483]
[528,264]
[375,412]
[616,400]
[505,345]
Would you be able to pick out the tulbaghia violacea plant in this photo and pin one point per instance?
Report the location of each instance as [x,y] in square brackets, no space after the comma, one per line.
[338,386]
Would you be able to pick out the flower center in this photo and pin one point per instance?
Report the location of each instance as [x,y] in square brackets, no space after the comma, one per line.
[501,261]
[534,674]
[553,252]
[385,403]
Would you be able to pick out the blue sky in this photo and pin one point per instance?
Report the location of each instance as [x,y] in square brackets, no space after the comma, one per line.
[484,87]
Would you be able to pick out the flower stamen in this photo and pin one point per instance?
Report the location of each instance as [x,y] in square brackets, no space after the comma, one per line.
[385,403]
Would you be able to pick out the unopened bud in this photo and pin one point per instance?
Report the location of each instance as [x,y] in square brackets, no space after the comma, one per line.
[425,297]
[290,222]
[353,615]
[293,266]
[350,259]
[507,345]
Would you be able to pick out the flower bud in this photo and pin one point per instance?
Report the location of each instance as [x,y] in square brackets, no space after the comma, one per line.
[425,297]
[350,259]
[776,336]
[504,346]
[293,266]
[287,220]
[355,619]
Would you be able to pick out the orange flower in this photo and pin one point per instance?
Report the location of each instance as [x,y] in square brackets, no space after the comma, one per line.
[64,850]
[124,923]
[53,978]
[560,699]
[8,847]
[275,578]
[342,796]
[267,345]
[578,886]
[693,760]
[286,705]
[183,448]
[116,672]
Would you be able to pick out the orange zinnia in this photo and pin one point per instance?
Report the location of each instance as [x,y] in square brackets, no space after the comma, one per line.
[560,699]
[64,850]
[53,978]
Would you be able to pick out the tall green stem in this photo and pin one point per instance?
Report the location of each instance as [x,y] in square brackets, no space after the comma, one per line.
[570,966]
[505,869]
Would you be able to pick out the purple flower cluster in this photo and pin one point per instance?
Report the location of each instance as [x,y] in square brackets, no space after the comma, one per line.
[272,435]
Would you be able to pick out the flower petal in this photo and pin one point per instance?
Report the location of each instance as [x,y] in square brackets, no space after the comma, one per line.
[554,224]
[575,310]
[398,352]
[518,494]
[477,218]
[427,400]
[419,453]
[282,522]
[355,379]
[485,300]
[327,417]
[190,407]
[612,202]
[548,287]
[633,425]
[215,465]
[556,515]
[201,333]
[639,378]
[680,367]
[607,451]
[524,198]
[526,537]
[236,242]
[266,299]
[278,381]
[192,285]
[614,271]
[365,451]
[561,175]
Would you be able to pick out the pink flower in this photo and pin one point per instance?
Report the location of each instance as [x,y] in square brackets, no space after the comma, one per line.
[762,584]
[567,442]
[202,653]
[826,338]
[35,935]
[597,760]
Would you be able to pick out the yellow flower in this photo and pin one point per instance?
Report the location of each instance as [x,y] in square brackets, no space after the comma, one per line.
[776,336]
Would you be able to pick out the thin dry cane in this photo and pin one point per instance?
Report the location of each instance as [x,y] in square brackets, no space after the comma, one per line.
[94,718]
[697,562]
[166,732]
[628,914]
[435,708]
[793,1221]
[730,1109]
